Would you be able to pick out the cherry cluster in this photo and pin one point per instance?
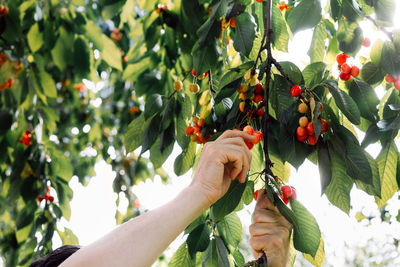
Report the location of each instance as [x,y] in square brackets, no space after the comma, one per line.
[392,80]
[257,134]
[3,11]
[116,35]
[26,138]
[46,196]
[16,65]
[194,87]
[287,193]
[160,8]
[194,130]
[346,71]
[256,97]
[283,6]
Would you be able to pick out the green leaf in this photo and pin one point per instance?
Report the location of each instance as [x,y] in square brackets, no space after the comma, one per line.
[233,75]
[245,33]
[111,53]
[372,74]
[350,37]
[64,193]
[306,236]
[134,133]
[248,193]
[351,10]
[280,97]
[151,133]
[81,58]
[305,15]
[222,253]
[229,201]
[35,38]
[375,188]
[158,157]
[230,229]
[384,11]
[387,164]
[293,72]
[154,104]
[204,56]
[23,234]
[211,28]
[365,97]
[68,237]
[181,258]
[211,255]
[376,52]
[357,165]
[319,257]
[6,119]
[317,47]
[313,74]
[238,257]
[324,166]
[344,102]
[61,52]
[198,221]
[335,9]
[280,38]
[390,59]
[184,161]
[338,190]
[61,166]
[48,84]
[198,239]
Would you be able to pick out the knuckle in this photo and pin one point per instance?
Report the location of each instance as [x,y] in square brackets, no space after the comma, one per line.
[255,243]
[256,216]
[252,229]
[276,243]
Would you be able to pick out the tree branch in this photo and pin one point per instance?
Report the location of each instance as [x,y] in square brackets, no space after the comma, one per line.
[389,34]
[279,67]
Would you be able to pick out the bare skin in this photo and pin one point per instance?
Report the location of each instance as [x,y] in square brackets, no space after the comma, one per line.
[140,241]
[270,233]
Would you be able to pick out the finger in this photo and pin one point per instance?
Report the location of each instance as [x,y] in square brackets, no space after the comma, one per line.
[269,228]
[268,244]
[240,142]
[271,217]
[263,201]
[231,133]
[235,157]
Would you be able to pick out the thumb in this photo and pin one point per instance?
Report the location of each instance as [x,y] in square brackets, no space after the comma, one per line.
[263,201]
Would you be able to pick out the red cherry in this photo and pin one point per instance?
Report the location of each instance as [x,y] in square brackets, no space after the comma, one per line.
[294,194]
[312,140]
[389,79]
[295,91]
[367,42]
[341,59]
[397,83]
[301,131]
[259,88]
[260,112]
[258,137]
[258,98]
[189,130]
[260,1]
[50,198]
[248,129]
[302,138]
[355,71]
[249,144]
[344,76]
[194,73]
[256,195]
[325,126]
[346,68]
[286,191]
[310,128]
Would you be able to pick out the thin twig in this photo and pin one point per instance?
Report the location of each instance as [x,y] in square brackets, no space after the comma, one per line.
[280,69]
[210,82]
[389,34]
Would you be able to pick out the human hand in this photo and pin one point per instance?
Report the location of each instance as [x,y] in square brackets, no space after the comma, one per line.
[270,232]
[221,161]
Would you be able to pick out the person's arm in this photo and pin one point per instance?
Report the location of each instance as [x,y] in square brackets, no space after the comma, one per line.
[140,241]
[270,232]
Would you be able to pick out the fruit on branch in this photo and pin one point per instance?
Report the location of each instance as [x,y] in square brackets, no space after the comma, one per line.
[366,42]
[7,84]
[324,125]
[303,121]
[201,122]
[303,108]
[259,89]
[389,79]
[260,112]
[341,59]
[346,68]
[248,129]
[344,76]
[116,35]
[160,8]
[178,85]
[302,138]
[46,196]
[355,71]
[3,10]
[194,88]
[301,131]
[258,98]
[232,22]
[242,106]
[80,87]
[194,74]
[295,91]
[256,194]
[250,145]
[310,128]
[242,96]
[243,88]
[286,191]
[189,130]
[283,6]
[254,80]
[312,140]
[134,110]
[26,138]
[258,137]
[202,76]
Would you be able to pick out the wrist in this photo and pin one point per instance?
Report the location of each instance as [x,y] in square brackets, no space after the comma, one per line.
[200,195]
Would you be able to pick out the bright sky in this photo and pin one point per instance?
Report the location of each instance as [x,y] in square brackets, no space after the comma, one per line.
[93,207]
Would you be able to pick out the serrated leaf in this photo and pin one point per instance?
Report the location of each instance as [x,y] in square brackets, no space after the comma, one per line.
[229,201]
[211,255]
[292,71]
[344,102]
[181,258]
[198,239]
[313,74]
[317,47]
[385,11]
[391,59]
[324,166]
[305,15]
[306,235]
[280,38]
[371,74]
[387,164]
[134,133]
[338,190]
[357,165]
[222,253]
[153,105]
[319,257]
[245,32]
[365,97]
[350,37]
[184,161]
[230,229]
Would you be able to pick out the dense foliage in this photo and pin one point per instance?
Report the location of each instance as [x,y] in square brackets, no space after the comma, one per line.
[83,80]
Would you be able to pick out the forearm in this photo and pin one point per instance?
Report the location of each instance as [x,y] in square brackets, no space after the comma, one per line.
[141,240]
